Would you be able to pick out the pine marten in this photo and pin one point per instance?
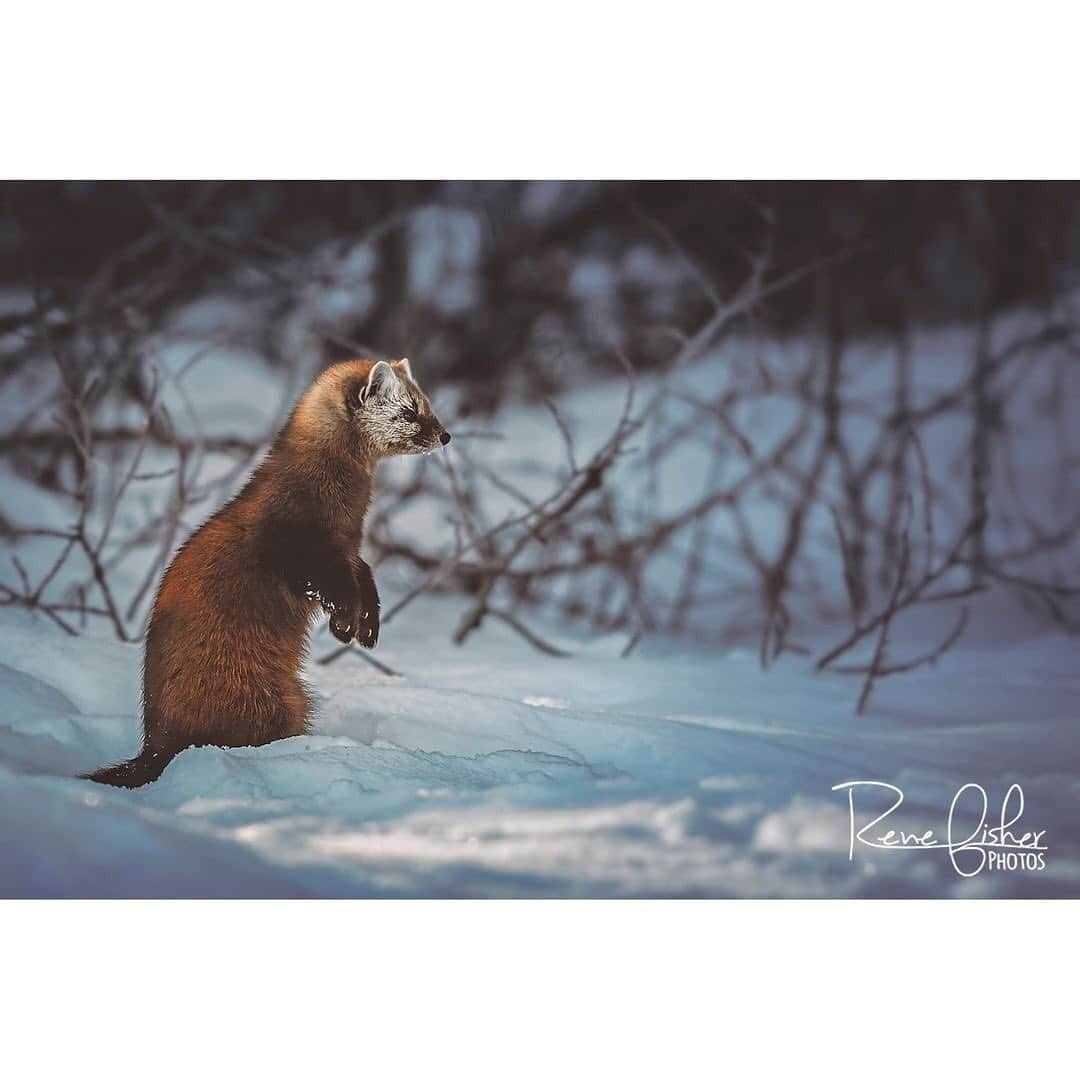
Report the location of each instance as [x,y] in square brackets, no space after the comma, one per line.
[230,621]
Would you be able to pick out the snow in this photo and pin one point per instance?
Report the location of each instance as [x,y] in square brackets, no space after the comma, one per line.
[683,769]
[492,771]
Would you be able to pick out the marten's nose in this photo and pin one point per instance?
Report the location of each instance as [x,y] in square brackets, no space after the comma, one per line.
[444,438]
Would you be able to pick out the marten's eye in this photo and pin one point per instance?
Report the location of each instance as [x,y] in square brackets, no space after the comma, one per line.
[411,415]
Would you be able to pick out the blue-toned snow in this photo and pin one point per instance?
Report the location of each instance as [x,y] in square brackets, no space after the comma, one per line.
[492,771]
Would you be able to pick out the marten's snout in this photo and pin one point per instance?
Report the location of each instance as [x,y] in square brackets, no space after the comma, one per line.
[444,438]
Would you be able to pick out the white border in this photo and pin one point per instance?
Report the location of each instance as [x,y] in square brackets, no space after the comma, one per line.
[539,989]
[582,89]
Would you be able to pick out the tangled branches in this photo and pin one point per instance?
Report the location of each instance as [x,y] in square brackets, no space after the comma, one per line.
[748,488]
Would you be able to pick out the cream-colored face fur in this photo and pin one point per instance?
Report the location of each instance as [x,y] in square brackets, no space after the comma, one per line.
[394,415]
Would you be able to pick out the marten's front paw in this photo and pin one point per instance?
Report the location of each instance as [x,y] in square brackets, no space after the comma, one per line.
[343,626]
[344,617]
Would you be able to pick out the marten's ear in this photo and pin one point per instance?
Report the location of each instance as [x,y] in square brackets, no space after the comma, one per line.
[380,382]
[402,367]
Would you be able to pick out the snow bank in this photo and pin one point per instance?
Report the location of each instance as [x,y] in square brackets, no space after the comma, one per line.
[491,771]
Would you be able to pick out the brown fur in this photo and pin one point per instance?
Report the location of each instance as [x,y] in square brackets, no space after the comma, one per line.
[229,627]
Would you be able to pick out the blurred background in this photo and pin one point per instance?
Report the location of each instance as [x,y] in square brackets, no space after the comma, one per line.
[513,280]
[750,410]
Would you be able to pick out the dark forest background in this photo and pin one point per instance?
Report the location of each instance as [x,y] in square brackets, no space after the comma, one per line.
[884,254]
[836,457]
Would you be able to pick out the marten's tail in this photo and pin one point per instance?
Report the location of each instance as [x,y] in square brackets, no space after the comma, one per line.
[149,765]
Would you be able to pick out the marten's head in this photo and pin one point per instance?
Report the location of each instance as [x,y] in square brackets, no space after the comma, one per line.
[383,411]
[392,414]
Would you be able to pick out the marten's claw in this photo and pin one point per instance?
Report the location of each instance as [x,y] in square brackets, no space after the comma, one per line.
[342,627]
[368,632]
